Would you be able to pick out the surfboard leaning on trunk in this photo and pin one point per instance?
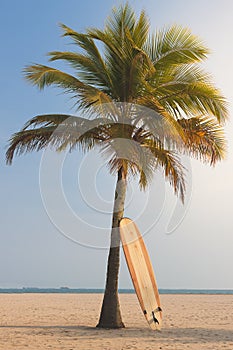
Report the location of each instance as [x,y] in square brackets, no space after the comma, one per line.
[141,271]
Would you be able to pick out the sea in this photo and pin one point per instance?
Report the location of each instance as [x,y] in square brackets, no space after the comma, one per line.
[64,290]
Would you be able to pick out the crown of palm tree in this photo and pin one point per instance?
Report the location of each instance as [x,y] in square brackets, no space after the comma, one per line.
[121,65]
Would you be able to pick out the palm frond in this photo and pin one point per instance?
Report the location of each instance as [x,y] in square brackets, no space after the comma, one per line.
[122,45]
[177,77]
[42,76]
[170,163]
[47,120]
[85,42]
[189,90]
[171,129]
[175,45]
[87,95]
[141,30]
[27,141]
[199,98]
[205,139]
[58,132]
[91,56]
[123,18]
[85,67]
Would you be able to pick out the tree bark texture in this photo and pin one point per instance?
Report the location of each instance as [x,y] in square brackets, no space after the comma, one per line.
[110,316]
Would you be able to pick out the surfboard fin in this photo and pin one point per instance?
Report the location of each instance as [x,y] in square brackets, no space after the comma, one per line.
[154,318]
[158,309]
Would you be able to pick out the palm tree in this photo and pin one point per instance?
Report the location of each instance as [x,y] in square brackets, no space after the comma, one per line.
[123,66]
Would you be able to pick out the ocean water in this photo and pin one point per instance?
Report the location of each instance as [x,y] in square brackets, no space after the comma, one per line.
[123,291]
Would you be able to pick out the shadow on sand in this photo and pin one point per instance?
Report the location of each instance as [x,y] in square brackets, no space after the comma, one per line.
[194,335]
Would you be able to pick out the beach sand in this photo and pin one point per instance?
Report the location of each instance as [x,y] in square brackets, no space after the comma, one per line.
[67,321]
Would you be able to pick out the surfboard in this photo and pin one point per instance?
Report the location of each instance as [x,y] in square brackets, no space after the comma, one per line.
[141,271]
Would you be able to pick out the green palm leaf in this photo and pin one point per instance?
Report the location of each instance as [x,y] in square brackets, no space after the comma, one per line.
[175,45]
[86,68]
[87,95]
[189,90]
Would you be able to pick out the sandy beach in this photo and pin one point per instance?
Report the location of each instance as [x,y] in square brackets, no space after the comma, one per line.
[67,321]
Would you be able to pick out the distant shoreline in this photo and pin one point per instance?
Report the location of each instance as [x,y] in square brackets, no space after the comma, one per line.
[65,290]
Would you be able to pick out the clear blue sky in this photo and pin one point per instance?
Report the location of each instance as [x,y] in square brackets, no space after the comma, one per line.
[32,251]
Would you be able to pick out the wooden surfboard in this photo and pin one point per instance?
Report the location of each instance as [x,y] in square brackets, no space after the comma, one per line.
[141,272]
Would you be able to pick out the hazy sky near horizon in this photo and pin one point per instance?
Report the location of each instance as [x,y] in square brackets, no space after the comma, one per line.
[33,252]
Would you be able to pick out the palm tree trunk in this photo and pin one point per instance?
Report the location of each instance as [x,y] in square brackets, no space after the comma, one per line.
[110,316]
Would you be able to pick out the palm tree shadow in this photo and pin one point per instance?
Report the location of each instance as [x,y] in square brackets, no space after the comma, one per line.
[194,335]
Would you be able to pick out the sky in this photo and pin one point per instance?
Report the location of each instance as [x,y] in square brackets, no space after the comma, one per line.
[53,239]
